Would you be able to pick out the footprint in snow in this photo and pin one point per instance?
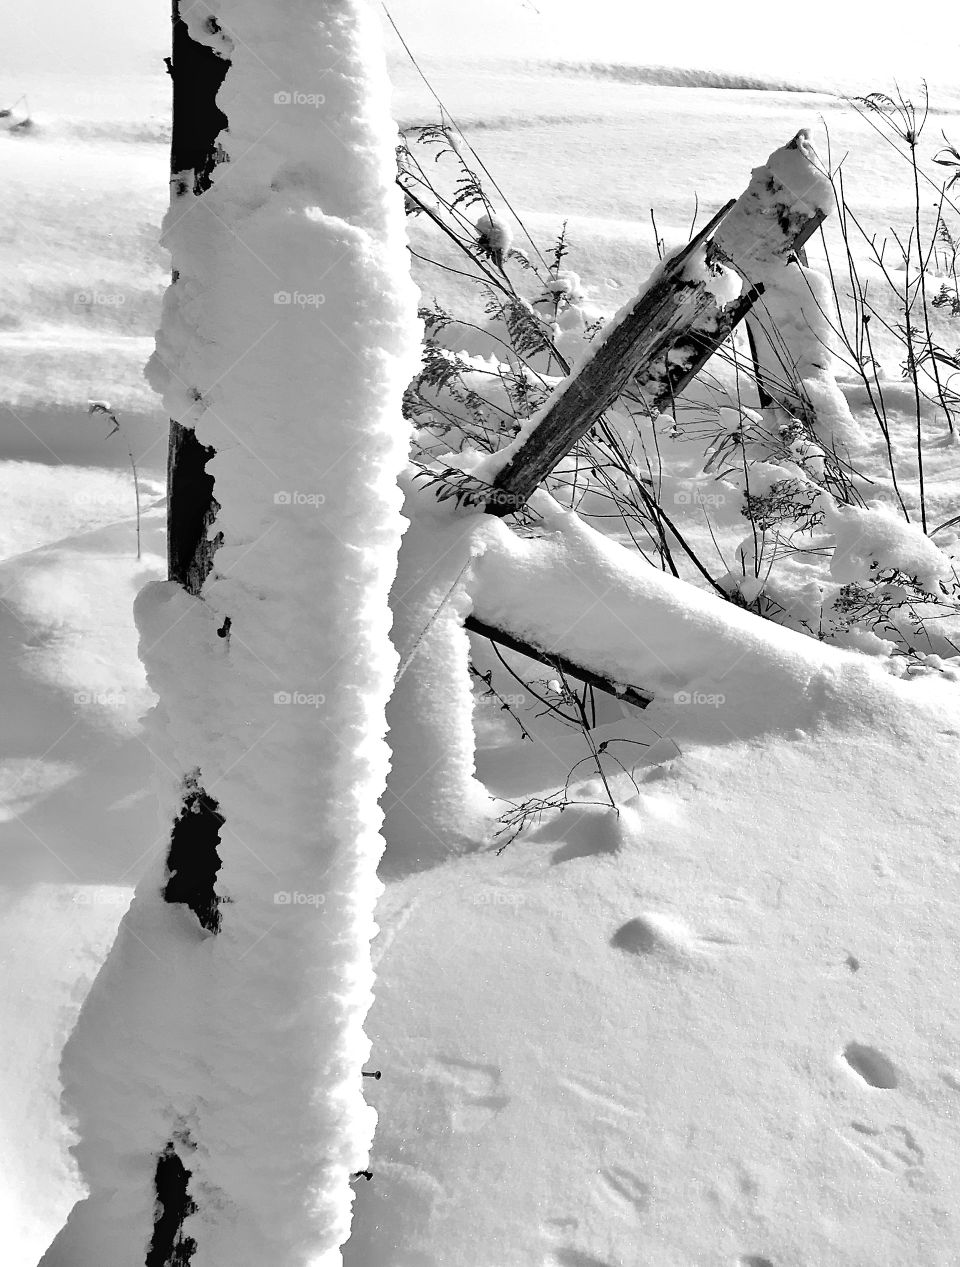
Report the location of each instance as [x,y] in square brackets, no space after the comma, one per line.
[595,1095]
[659,936]
[626,1188]
[474,1098]
[552,1228]
[876,1069]
[574,1258]
[587,831]
[891,1148]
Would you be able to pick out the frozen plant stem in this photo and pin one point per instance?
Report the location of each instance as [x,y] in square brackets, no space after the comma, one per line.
[101,407]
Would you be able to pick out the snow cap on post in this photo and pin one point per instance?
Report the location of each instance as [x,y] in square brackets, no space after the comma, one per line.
[789,192]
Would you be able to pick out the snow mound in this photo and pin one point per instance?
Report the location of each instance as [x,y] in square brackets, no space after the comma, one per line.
[874,538]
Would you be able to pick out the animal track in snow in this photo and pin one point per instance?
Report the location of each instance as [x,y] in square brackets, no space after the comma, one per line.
[559,1227]
[892,1148]
[587,831]
[391,925]
[624,1186]
[873,1066]
[595,1096]
[754,1260]
[474,1096]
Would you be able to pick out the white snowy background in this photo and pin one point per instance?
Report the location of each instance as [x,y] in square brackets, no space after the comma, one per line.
[721,1029]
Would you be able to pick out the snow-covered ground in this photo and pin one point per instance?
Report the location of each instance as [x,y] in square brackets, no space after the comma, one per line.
[719,1029]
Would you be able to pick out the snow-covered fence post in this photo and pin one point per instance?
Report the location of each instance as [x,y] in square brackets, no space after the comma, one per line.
[215,1071]
[434,807]
[763,240]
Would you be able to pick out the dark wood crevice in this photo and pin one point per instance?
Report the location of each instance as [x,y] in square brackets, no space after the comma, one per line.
[192,860]
[168,1245]
[191,510]
[197,72]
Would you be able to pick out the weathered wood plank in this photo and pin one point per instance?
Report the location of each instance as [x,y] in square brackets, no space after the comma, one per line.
[667,380]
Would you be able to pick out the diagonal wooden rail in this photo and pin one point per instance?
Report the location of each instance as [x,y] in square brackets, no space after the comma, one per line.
[558,660]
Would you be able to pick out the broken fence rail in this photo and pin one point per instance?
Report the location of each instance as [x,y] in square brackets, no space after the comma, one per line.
[559,661]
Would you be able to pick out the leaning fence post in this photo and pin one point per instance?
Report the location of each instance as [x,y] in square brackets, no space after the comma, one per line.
[662,313]
[666,336]
[763,241]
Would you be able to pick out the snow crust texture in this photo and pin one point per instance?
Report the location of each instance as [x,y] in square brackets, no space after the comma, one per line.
[287,340]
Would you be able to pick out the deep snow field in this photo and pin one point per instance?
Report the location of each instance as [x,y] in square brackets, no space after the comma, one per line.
[719,1030]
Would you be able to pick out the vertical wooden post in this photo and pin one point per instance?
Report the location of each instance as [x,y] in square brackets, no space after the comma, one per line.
[754,328]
